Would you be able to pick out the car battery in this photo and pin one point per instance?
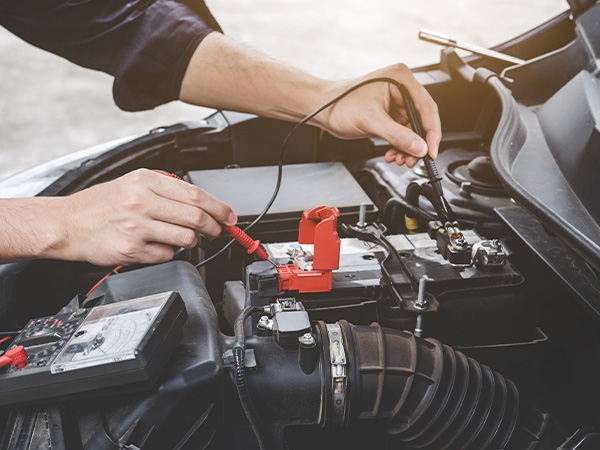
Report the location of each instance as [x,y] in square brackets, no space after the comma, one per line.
[469,298]
[303,186]
[248,190]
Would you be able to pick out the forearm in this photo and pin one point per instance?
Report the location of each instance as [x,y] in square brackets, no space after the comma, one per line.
[224,74]
[31,228]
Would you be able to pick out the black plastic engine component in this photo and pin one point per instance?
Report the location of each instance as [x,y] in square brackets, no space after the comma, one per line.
[430,396]
[421,392]
[186,408]
[289,325]
[473,191]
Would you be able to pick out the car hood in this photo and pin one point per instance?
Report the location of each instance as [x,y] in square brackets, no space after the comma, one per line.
[547,153]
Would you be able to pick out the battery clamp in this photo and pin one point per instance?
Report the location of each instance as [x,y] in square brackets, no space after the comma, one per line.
[122,345]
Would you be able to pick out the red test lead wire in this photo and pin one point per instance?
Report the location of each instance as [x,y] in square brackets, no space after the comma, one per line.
[115,270]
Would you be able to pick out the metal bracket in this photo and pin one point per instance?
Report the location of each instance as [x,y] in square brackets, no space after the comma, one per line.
[392,266]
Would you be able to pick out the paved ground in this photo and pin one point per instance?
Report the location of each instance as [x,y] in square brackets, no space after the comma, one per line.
[49,107]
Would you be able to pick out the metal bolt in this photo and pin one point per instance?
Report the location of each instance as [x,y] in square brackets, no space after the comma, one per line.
[80,312]
[362,215]
[421,303]
[307,339]
[264,323]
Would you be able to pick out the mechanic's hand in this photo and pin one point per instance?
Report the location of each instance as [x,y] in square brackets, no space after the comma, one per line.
[140,218]
[378,110]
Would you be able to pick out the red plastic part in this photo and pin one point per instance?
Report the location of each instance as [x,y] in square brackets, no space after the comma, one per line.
[247,242]
[291,278]
[16,357]
[319,227]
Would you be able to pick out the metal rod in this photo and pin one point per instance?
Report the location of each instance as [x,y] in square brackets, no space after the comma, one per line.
[362,215]
[419,326]
[421,303]
[441,39]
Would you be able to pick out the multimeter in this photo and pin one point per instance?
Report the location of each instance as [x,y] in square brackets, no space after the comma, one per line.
[82,353]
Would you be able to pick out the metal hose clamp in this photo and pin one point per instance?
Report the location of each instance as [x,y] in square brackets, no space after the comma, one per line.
[338,372]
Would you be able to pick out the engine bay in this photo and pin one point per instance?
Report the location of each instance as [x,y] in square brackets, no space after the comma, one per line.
[374,324]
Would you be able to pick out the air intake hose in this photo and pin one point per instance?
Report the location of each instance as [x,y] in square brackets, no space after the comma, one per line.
[429,396]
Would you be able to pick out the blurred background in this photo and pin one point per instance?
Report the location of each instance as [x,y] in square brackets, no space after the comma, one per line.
[50,107]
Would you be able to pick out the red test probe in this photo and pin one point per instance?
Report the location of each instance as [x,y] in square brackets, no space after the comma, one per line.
[247,242]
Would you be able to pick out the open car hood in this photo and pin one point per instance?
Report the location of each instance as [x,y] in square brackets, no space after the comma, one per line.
[547,152]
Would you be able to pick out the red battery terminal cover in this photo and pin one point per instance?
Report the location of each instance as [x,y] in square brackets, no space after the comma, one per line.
[319,227]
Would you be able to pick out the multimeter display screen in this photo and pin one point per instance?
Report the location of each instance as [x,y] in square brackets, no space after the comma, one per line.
[110,333]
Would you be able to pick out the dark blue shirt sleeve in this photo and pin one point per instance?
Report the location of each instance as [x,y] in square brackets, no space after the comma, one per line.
[145,44]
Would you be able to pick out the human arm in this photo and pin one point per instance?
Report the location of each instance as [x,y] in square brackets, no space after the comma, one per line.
[163,50]
[137,218]
[219,73]
[225,74]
